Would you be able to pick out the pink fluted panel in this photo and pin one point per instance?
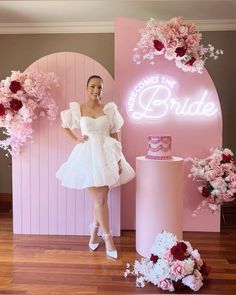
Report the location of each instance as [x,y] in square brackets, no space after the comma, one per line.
[17,200]
[40,204]
[159,200]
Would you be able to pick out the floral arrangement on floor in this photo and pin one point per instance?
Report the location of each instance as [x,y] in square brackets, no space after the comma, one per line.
[24,97]
[176,40]
[218,178]
[172,265]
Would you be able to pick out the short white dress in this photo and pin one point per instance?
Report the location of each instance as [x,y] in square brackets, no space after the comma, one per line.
[94,163]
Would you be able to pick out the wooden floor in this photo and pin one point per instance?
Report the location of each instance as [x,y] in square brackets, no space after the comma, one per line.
[43,265]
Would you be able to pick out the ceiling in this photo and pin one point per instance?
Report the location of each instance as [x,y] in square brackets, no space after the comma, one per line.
[99,16]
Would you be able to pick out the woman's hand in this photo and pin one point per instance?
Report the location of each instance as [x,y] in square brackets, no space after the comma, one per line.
[82,139]
[120,168]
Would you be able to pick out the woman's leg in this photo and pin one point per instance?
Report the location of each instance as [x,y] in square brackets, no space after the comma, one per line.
[101,212]
[94,227]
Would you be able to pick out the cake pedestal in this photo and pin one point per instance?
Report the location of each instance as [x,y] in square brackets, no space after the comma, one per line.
[158,200]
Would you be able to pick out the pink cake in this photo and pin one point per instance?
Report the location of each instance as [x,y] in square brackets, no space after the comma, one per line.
[159,147]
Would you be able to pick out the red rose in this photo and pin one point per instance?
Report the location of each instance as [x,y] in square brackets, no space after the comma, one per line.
[180,51]
[154,258]
[158,45]
[15,104]
[15,86]
[205,270]
[191,61]
[226,158]
[205,192]
[179,250]
[2,110]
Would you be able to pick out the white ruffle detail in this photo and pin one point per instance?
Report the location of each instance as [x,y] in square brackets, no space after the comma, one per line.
[115,118]
[71,117]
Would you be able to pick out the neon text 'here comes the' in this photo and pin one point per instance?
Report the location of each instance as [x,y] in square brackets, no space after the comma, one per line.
[153,98]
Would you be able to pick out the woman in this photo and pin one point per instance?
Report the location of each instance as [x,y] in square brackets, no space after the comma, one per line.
[96,162]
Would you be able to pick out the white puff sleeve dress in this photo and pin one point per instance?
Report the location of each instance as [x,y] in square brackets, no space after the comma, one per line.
[94,162]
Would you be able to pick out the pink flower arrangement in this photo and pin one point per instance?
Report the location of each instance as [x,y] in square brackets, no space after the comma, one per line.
[218,178]
[172,265]
[175,40]
[24,97]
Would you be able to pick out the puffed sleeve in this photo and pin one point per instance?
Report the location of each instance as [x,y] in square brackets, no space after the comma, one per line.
[71,117]
[115,118]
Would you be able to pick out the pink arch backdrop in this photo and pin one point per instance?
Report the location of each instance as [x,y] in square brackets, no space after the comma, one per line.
[40,204]
[192,136]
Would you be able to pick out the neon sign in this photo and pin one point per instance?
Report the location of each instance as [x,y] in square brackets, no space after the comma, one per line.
[153,99]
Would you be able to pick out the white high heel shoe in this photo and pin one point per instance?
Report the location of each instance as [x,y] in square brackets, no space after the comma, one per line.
[93,246]
[112,253]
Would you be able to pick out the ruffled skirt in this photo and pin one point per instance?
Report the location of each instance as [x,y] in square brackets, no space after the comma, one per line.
[94,163]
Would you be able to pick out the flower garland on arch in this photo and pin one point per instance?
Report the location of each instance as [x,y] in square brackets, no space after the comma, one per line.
[23,98]
[218,179]
[176,40]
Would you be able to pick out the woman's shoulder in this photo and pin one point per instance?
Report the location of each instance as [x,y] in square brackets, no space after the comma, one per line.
[110,106]
[74,105]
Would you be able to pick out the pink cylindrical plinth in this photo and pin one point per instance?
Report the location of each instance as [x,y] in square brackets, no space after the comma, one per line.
[158,200]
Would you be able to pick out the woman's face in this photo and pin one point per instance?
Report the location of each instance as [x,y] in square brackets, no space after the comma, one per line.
[94,88]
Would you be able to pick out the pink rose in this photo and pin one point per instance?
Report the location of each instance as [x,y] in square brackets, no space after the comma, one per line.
[177,270]
[168,256]
[165,285]
[195,254]
[192,282]
[210,175]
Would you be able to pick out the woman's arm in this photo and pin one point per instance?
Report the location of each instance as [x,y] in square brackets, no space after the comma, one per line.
[79,139]
[115,136]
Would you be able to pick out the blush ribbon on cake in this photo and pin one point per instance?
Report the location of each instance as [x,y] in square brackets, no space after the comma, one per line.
[159,147]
